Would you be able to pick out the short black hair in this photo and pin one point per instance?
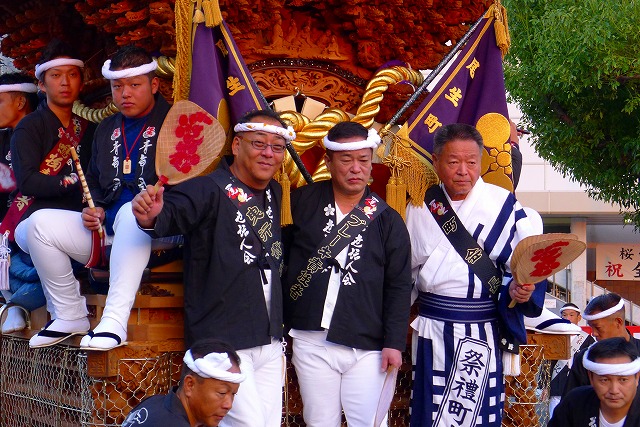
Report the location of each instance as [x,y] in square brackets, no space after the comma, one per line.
[247,117]
[55,49]
[129,57]
[602,302]
[347,130]
[455,131]
[17,78]
[612,347]
[202,347]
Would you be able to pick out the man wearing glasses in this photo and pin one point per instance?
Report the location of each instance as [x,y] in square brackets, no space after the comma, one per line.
[233,257]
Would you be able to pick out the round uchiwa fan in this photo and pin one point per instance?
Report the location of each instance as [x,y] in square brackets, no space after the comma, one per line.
[189,141]
[537,257]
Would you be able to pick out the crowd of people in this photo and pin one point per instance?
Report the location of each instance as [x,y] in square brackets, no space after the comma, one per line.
[339,281]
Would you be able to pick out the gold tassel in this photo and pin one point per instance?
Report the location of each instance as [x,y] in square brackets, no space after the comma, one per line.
[212,14]
[391,192]
[503,40]
[401,197]
[198,16]
[285,208]
[182,74]
[217,14]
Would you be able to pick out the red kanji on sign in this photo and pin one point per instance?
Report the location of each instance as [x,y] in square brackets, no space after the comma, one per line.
[546,259]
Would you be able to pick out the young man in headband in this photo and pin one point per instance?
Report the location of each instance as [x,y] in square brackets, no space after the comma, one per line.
[233,258]
[122,164]
[612,399]
[210,379]
[605,314]
[348,313]
[17,99]
[40,150]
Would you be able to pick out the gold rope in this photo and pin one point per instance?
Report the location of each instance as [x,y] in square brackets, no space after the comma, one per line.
[182,75]
[376,87]
[92,114]
[310,133]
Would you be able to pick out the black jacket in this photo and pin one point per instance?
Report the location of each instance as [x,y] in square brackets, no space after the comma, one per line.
[373,312]
[578,374]
[581,408]
[33,138]
[223,293]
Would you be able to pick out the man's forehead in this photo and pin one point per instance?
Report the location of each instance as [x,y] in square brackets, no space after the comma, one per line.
[265,134]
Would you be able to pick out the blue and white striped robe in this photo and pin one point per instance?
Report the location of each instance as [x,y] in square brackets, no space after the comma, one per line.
[497,221]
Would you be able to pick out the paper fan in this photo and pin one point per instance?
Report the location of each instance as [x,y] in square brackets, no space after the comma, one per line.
[189,141]
[386,396]
[537,257]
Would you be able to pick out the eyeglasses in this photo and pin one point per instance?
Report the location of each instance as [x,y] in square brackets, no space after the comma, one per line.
[261,145]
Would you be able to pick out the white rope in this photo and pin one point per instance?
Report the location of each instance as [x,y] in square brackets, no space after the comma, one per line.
[19,87]
[127,72]
[58,62]
[622,369]
[213,365]
[288,133]
[619,306]
[372,141]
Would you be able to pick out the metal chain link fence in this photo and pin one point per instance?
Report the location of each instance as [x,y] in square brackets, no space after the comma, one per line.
[50,387]
[527,395]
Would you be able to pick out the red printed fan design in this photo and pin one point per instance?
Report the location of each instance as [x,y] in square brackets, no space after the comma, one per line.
[190,140]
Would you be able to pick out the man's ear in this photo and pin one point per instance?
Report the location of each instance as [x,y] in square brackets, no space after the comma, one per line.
[188,385]
[590,374]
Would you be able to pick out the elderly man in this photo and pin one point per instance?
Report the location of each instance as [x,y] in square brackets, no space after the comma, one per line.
[605,315]
[233,257]
[612,399]
[122,163]
[348,285]
[210,380]
[462,239]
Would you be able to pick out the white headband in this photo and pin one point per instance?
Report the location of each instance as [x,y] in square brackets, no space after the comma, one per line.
[213,365]
[619,306]
[630,368]
[372,141]
[127,72]
[19,87]
[41,68]
[288,133]
[569,307]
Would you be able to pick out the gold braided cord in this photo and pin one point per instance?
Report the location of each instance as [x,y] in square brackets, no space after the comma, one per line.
[310,133]
[182,78]
[379,84]
[313,131]
[92,114]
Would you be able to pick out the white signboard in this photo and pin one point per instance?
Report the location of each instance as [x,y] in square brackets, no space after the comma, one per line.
[618,262]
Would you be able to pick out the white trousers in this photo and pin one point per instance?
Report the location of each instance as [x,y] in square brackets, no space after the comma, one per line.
[334,378]
[51,236]
[259,399]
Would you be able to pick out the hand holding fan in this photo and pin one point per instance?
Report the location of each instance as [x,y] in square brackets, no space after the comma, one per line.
[537,257]
[386,396]
[189,141]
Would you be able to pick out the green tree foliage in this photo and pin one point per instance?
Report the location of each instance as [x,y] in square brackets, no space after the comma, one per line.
[574,69]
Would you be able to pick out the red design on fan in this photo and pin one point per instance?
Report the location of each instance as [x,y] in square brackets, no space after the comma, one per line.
[189,132]
[546,259]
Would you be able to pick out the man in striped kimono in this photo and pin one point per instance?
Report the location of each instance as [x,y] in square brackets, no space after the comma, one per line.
[458,369]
